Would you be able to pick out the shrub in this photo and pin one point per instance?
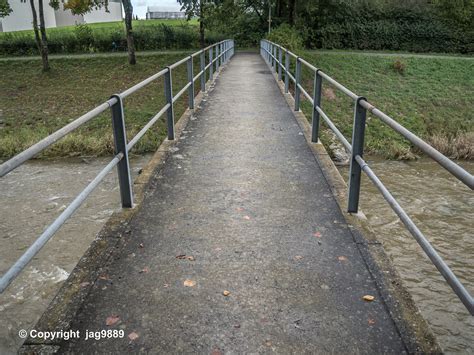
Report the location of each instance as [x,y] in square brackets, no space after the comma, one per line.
[287,37]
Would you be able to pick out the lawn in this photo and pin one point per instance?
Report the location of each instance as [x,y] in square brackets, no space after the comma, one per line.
[433,97]
[35,104]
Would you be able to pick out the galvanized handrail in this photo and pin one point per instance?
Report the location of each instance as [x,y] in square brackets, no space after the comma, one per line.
[122,147]
[273,54]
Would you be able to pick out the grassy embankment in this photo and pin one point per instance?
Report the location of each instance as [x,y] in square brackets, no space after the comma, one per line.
[432,97]
[34,104]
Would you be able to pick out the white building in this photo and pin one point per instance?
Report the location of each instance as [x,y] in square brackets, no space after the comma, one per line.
[21,17]
[161,12]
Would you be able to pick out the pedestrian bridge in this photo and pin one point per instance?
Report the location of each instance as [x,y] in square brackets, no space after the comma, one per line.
[235,238]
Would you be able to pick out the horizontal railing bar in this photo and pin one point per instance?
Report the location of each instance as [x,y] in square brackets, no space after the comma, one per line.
[142,83]
[198,75]
[181,92]
[310,66]
[30,152]
[178,63]
[150,123]
[339,86]
[305,93]
[444,161]
[29,254]
[338,133]
[435,258]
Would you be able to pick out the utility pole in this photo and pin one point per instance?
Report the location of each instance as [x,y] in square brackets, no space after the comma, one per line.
[269,16]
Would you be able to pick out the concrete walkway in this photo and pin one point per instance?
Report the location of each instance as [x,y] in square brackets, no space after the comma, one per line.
[245,199]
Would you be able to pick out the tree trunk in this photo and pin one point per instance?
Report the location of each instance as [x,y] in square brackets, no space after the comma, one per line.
[291,12]
[39,43]
[201,24]
[128,8]
[44,39]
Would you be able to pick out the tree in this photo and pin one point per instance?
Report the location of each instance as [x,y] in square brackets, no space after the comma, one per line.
[198,8]
[80,7]
[40,33]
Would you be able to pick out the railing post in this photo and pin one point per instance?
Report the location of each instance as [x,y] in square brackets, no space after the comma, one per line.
[211,66]
[318,80]
[120,143]
[191,82]
[169,100]
[217,58]
[280,63]
[202,63]
[287,71]
[297,82]
[358,132]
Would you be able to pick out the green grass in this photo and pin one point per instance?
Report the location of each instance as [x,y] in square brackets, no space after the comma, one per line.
[35,104]
[432,97]
[112,25]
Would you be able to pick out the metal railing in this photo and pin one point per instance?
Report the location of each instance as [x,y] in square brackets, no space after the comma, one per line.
[273,55]
[218,54]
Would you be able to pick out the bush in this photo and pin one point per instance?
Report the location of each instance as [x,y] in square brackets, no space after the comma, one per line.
[84,38]
[287,37]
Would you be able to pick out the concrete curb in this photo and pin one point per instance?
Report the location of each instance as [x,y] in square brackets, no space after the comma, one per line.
[413,328]
[61,311]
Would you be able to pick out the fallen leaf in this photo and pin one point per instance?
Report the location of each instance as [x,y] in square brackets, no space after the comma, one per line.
[104,277]
[237,326]
[247,218]
[317,235]
[84,284]
[189,283]
[240,209]
[268,343]
[166,285]
[371,321]
[341,258]
[298,257]
[141,245]
[216,352]
[133,336]
[226,293]
[368,298]
[145,270]
[190,258]
[112,320]
[181,256]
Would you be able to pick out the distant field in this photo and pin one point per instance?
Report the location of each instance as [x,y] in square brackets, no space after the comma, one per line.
[111,25]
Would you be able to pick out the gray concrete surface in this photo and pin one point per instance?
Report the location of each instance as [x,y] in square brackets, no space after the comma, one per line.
[244,196]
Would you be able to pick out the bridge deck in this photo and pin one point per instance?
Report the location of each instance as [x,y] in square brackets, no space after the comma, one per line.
[246,199]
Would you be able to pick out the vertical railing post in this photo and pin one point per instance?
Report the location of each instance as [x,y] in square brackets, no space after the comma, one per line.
[191,82]
[211,65]
[169,100]
[287,71]
[318,80]
[221,51]
[202,63]
[280,55]
[120,143]
[217,58]
[297,82]
[358,133]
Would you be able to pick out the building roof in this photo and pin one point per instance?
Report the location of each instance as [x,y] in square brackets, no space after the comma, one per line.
[164,9]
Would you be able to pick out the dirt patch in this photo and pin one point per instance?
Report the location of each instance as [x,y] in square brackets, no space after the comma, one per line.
[329,94]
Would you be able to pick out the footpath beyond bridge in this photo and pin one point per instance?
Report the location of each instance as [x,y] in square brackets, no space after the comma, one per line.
[241,205]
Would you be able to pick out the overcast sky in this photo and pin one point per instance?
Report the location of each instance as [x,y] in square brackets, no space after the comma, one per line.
[139,6]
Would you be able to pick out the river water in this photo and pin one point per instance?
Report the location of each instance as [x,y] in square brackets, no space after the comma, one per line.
[31,197]
[443,209]
[37,192]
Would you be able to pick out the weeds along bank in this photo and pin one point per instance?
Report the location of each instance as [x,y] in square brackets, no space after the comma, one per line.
[99,38]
